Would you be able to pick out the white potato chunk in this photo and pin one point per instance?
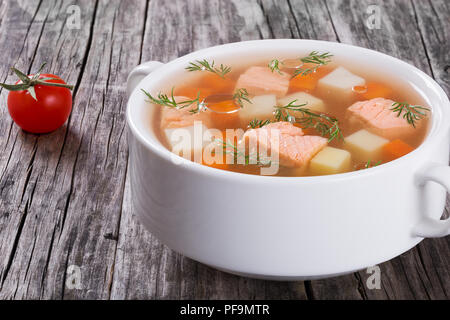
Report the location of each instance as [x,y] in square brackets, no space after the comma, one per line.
[339,83]
[365,146]
[188,142]
[311,102]
[330,161]
[261,108]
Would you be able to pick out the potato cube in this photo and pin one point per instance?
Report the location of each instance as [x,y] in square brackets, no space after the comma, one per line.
[339,83]
[260,80]
[261,108]
[311,102]
[330,161]
[365,146]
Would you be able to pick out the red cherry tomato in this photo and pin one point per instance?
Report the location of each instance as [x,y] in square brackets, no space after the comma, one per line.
[48,113]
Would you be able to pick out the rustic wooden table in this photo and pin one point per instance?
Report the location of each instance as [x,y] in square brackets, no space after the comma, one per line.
[65,197]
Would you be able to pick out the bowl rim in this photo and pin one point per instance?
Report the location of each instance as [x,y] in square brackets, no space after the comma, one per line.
[437,124]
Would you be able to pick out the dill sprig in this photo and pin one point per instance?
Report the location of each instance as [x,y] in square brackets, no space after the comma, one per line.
[240,96]
[274,65]
[255,123]
[205,65]
[322,123]
[412,114]
[315,58]
[369,164]
[230,148]
[169,101]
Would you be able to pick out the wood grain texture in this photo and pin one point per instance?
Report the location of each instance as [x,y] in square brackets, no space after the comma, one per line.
[65,197]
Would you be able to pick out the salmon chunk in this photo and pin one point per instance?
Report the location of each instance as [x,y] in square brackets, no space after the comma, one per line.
[295,149]
[285,128]
[261,80]
[377,115]
[178,118]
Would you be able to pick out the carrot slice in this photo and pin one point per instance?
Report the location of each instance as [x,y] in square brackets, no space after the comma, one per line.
[223,116]
[192,92]
[224,106]
[396,149]
[218,84]
[308,82]
[376,90]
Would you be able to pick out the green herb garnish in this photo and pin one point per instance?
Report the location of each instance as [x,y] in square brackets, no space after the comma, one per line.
[412,114]
[204,65]
[274,65]
[324,124]
[371,165]
[169,101]
[255,123]
[240,96]
[230,148]
[316,58]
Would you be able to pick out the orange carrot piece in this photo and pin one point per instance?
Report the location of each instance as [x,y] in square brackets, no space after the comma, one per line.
[218,84]
[221,118]
[224,106]
[192,92]
[308,82]
[376,90]
[396,149]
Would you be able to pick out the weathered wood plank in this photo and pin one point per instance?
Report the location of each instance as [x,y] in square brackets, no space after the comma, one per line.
[72,179]
[432,18]
[298,19]
[35,172]
[93,214]
[64,197]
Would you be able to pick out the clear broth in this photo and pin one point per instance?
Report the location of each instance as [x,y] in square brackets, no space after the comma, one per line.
[400,91]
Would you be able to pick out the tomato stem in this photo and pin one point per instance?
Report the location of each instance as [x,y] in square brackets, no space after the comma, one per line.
[29,82]
[52,84]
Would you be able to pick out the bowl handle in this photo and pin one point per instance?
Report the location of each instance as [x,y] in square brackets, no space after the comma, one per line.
[428,227]
[139,73]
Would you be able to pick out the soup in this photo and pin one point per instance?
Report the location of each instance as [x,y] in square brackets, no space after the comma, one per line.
[301,116]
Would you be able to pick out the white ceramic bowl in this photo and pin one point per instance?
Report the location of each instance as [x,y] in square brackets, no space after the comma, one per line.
[288,228]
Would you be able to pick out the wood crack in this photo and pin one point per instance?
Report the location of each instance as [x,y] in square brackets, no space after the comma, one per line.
[15,244]
[38,42]
[147,5]
[332,22]
[309,290]
[29,170]
[291,11]
[72,179]
[361,289]
[422,39]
